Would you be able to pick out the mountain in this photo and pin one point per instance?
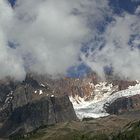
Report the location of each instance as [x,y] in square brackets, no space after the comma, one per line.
[29,105]
[40,102]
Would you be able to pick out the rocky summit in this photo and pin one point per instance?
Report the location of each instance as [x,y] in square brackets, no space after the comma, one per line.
[29,105]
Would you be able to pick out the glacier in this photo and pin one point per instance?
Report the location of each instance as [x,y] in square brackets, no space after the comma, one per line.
[95,107]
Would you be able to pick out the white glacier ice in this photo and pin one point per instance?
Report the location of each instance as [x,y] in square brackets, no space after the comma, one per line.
[95,107]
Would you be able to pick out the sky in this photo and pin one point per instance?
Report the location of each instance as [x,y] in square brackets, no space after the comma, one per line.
[70,38]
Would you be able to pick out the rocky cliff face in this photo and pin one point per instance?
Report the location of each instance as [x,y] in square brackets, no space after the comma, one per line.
[88,88]
[40,101]
[43,112]
[124,104]
[30,105]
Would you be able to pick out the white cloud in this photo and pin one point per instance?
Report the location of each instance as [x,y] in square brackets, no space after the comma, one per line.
[10,64]
[51,32]
[118,52]
[137,10]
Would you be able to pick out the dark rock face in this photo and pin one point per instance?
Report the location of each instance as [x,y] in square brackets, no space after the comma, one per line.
[26,118]
[122,85]
[5,89]
[63,109]
[46,111]
[31,105]
[123,105]
[6,95]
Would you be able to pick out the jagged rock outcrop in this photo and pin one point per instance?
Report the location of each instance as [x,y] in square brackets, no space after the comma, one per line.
[31,105]
[43,112]
[123,105]
[5,88]
[123,84]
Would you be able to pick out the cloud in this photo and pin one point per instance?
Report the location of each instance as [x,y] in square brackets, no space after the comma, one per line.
[10,64]
[50,33]
[137,10]
[121,48]
[48,36]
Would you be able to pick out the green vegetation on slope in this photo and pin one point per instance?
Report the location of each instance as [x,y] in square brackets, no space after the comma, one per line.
[87,130]
[130,132]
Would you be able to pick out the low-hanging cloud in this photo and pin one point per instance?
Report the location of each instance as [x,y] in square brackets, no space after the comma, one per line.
[47,36]
[10,63]
[121,48]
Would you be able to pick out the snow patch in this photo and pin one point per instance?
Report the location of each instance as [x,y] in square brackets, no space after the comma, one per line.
[52,95]
[9,97]
[40,92]
[42,85]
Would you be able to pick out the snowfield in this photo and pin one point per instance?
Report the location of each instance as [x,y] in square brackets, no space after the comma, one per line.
[95,107]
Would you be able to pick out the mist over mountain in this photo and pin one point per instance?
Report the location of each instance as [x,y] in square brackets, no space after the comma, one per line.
[51,37]
[69,69]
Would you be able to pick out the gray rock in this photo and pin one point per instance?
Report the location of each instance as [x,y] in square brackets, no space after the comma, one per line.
[43,112]
[123,105]
[29,110]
